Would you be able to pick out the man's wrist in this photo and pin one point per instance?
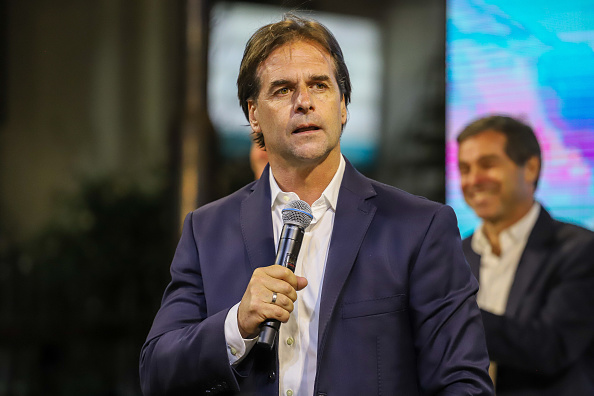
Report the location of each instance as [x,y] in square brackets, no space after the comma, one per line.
[237,345]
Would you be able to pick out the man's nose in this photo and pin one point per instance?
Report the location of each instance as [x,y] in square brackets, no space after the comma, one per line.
[473,176]
[303,100]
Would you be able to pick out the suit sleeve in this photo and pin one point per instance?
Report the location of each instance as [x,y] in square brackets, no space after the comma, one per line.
[563,328]
[185,351]
[449,335]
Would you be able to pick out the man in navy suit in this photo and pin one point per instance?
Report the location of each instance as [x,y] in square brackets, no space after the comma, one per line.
[536,274]
[382,301]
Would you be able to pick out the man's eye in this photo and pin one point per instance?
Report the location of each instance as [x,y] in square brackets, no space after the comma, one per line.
[283,91]
[488,164]
[321,86]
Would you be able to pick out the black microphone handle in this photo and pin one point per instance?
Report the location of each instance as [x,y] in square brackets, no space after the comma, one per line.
[289,245]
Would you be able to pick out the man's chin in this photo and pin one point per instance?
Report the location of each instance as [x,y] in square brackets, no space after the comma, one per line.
[485,212]
[314,153]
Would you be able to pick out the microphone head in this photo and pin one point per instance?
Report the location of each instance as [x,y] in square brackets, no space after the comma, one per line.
[298,213]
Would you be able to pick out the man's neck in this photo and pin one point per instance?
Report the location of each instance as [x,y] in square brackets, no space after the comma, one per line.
[308,181]
[492,229]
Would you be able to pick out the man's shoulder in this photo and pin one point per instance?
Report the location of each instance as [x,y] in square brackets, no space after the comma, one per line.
[228,203]
[569,233]
[466,241]
[388,199]
[400,209]
[395,197]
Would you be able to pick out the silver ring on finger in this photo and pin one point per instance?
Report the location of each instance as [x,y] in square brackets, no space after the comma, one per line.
[274,296]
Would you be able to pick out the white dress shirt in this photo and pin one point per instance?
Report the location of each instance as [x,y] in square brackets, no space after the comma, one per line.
[298,338]
[497,272]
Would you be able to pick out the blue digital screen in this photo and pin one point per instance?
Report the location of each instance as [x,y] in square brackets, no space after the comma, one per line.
[531,59]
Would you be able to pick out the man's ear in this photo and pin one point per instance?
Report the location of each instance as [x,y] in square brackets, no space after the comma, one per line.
[531,169]
[343,111]
[253,116]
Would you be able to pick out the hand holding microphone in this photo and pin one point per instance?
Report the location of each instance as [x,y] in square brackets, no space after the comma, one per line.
[296,217]
[272,290]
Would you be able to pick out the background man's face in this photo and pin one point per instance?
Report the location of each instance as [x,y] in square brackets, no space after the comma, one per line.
[494,186]
[299,109]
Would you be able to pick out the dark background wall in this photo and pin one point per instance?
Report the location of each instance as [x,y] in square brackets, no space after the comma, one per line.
[102,137]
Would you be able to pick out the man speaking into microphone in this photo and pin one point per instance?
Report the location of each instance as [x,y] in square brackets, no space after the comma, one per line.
[382,301]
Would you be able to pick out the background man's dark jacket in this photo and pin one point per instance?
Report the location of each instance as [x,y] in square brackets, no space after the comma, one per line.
[544,344]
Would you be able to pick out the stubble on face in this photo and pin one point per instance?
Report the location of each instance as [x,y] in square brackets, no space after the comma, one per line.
[299,109]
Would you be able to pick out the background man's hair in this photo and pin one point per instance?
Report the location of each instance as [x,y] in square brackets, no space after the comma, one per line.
[521,142]
[268,38]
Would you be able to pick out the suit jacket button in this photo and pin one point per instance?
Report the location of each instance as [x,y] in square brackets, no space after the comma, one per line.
[272,376]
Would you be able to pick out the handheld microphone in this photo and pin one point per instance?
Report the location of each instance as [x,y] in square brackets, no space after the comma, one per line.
[296,217]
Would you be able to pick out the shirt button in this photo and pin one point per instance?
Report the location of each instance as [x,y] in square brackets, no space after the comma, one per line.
[290,341]
[233,351]
[286,198]
[289,392]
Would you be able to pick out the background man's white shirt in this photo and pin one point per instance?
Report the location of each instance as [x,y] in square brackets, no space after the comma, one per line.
[497,272]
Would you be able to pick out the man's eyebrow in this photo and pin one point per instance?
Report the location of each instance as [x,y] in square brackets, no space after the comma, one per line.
[278,83]
[320,77]
[488,157]
[283,82]
[482,158]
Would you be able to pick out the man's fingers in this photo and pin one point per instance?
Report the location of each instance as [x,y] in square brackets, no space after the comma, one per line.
[256,305]
[281,280]
[281,273]
[284,302]
[281,288]
[301,283]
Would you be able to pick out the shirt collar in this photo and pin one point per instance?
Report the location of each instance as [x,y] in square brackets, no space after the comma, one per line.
[517,232]
[329,197]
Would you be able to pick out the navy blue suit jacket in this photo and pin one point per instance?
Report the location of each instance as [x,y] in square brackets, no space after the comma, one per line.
[544,344]
[398,314]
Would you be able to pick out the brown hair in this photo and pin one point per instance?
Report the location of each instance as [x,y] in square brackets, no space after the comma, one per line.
[268,38]
[521,142]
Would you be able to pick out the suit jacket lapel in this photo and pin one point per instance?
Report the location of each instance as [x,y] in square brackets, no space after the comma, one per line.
[353,216]
[473,259]
[256,224]
[532,261]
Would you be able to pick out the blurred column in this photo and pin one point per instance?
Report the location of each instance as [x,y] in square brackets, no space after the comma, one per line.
[197,138]
[412,149]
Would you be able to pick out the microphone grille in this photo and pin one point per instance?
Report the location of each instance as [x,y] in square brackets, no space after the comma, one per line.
[298,213]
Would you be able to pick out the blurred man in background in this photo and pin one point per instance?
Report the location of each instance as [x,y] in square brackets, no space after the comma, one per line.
[536,274]
[258,159]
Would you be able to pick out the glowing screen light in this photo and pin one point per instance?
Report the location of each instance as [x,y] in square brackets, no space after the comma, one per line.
[531,59]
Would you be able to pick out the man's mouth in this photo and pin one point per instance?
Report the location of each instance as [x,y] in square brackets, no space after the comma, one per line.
[306,128]
[482,195]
